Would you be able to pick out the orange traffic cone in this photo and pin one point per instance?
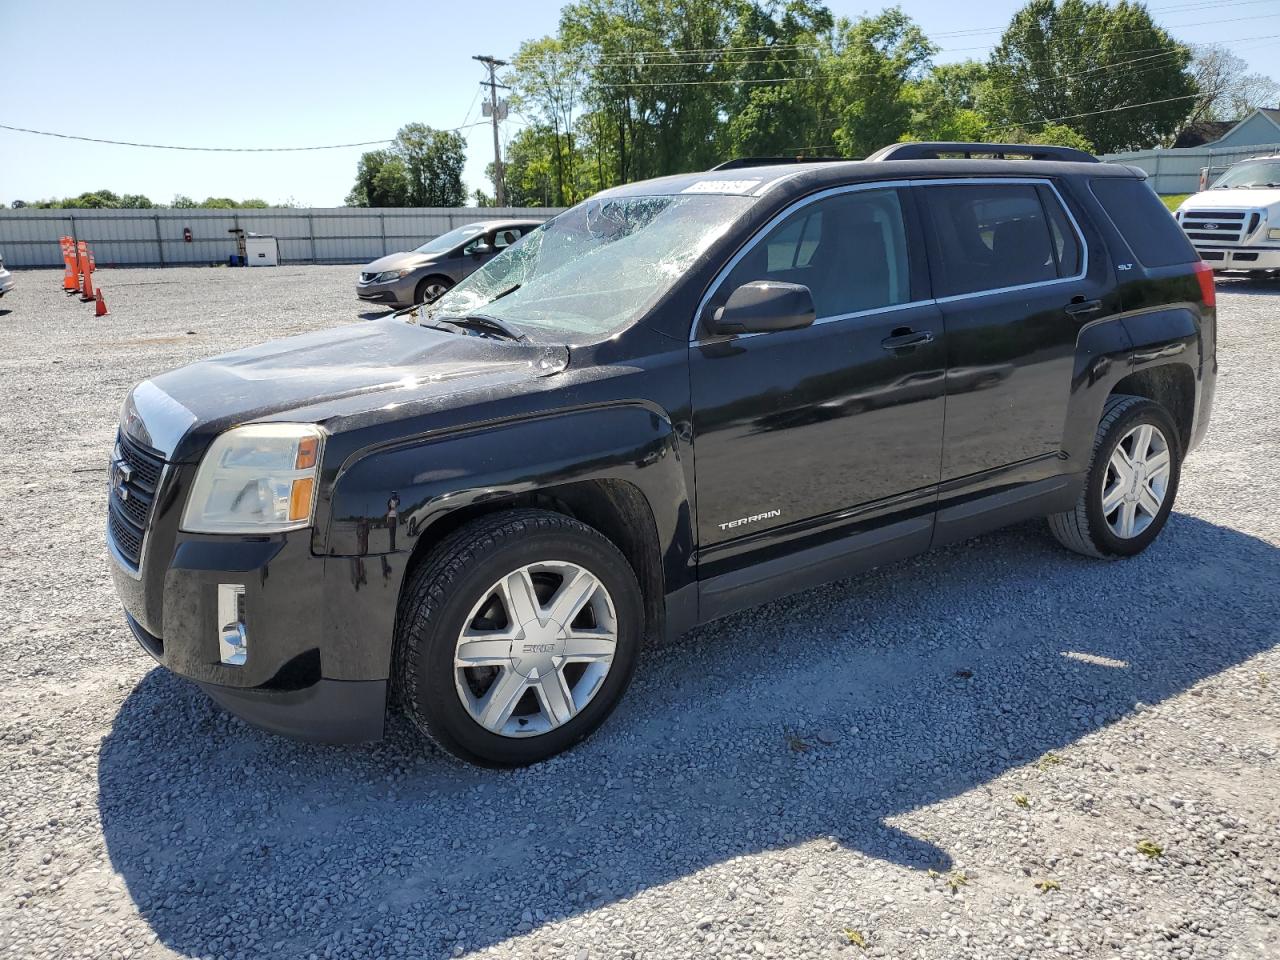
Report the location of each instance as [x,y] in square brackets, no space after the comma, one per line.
[101,309]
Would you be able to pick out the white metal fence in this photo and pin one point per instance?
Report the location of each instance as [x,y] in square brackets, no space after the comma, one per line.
[29,237]
[1178,171]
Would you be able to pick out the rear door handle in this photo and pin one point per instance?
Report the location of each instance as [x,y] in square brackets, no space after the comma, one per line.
[1080,307]
[905,338]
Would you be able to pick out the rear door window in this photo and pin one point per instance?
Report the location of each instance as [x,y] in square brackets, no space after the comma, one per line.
[998,235]
[1144,221]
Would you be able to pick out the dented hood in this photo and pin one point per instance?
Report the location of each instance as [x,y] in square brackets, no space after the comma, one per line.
[336,372]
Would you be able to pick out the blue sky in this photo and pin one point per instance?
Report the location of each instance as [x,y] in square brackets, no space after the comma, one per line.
[295,74]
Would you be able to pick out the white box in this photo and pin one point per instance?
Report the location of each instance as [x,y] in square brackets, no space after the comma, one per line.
[261,251]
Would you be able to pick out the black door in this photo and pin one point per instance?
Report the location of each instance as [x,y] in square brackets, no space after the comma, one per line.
[1015,287]
[794,430]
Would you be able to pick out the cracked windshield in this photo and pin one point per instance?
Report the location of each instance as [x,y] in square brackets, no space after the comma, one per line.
[596,267]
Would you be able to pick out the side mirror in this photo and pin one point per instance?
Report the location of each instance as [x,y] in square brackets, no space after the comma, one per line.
[481,249]
[762,306]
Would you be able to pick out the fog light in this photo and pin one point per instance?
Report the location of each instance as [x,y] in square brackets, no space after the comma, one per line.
[233,641]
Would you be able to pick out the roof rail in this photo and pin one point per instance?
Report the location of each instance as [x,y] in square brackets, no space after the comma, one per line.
[740,162]
[1000,151]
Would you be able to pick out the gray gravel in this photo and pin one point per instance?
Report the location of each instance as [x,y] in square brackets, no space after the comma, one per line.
[898,759]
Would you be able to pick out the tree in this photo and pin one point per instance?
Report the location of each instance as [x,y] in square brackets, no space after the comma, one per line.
[182,202]
[421,168]
[661,106]
[778,107]
[871,65]
[547,82]
[946,104]
[530,168]
[433,161]
[1227,91]
[1052,135]
[382,180]
[1107,71]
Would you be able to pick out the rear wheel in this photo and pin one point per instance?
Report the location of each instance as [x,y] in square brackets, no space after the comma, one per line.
[517,637]
[1131,483]
[431,288]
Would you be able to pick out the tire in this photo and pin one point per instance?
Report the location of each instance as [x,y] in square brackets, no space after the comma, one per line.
[431,288]
[1085,528]
[460,585]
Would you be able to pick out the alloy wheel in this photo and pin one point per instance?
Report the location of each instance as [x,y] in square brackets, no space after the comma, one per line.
[535,649]
[1137,481]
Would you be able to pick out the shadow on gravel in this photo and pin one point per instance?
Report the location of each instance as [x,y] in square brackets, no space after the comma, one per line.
[822,716]
[1249,286]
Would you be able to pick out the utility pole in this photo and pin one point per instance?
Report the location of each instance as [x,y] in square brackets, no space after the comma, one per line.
[499,177]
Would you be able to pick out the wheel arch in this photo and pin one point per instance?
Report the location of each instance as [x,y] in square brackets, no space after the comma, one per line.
[434,275]
[617,509]
[618,469]
[1172,385]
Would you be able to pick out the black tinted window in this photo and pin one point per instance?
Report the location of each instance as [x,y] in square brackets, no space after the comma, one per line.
[1145,223]
[850,250]
[1066,242]
[990,236]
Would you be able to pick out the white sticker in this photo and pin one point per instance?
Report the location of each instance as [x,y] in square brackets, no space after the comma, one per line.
[724,186]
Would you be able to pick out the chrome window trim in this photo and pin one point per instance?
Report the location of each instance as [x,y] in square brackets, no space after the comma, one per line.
[891,185]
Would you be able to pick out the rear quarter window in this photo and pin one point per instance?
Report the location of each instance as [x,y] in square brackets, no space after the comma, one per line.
[1143,220]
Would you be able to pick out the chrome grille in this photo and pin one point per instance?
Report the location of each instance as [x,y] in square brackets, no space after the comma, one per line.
[134,478]
[1226,227]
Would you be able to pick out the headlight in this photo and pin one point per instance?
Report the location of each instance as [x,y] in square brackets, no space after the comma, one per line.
[259,478]
[386,276]
[1273,234]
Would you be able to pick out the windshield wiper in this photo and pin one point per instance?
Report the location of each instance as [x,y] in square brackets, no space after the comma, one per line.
[511,289]
[484,324]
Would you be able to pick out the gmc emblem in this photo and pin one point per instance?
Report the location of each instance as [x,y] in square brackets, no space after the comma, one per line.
[121,474]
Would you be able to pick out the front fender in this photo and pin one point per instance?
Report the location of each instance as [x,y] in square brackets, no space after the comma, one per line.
[435,476]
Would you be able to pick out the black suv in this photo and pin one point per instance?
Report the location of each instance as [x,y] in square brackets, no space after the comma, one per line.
[677,399]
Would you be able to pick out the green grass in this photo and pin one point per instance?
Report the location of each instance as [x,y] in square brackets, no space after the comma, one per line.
[1174,200]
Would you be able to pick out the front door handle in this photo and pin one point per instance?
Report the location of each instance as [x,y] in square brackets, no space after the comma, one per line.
[904,338]
[1080,307]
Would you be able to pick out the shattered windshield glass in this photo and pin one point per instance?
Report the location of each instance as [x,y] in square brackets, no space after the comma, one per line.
[596,267]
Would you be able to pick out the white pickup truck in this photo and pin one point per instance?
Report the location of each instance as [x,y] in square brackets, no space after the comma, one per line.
[1235,224]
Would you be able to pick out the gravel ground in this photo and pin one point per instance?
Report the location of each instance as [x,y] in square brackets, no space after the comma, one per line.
[964,755]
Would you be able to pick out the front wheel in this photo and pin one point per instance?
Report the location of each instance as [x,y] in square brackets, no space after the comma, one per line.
[1132,480]
[431,288]
[517,637]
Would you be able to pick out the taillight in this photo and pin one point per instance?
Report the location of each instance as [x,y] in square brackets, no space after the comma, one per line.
[1208,294]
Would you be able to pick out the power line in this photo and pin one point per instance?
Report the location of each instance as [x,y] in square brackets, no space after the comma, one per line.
[1097,113]
[1161,53]
[168,146]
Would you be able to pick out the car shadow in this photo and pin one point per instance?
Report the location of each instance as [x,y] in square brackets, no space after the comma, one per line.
[826,715]
[1248,286]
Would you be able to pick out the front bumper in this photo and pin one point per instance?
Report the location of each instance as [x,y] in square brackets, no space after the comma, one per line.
[319,629]
[7,282]
[328,711]
[1240,258]
[396,292]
